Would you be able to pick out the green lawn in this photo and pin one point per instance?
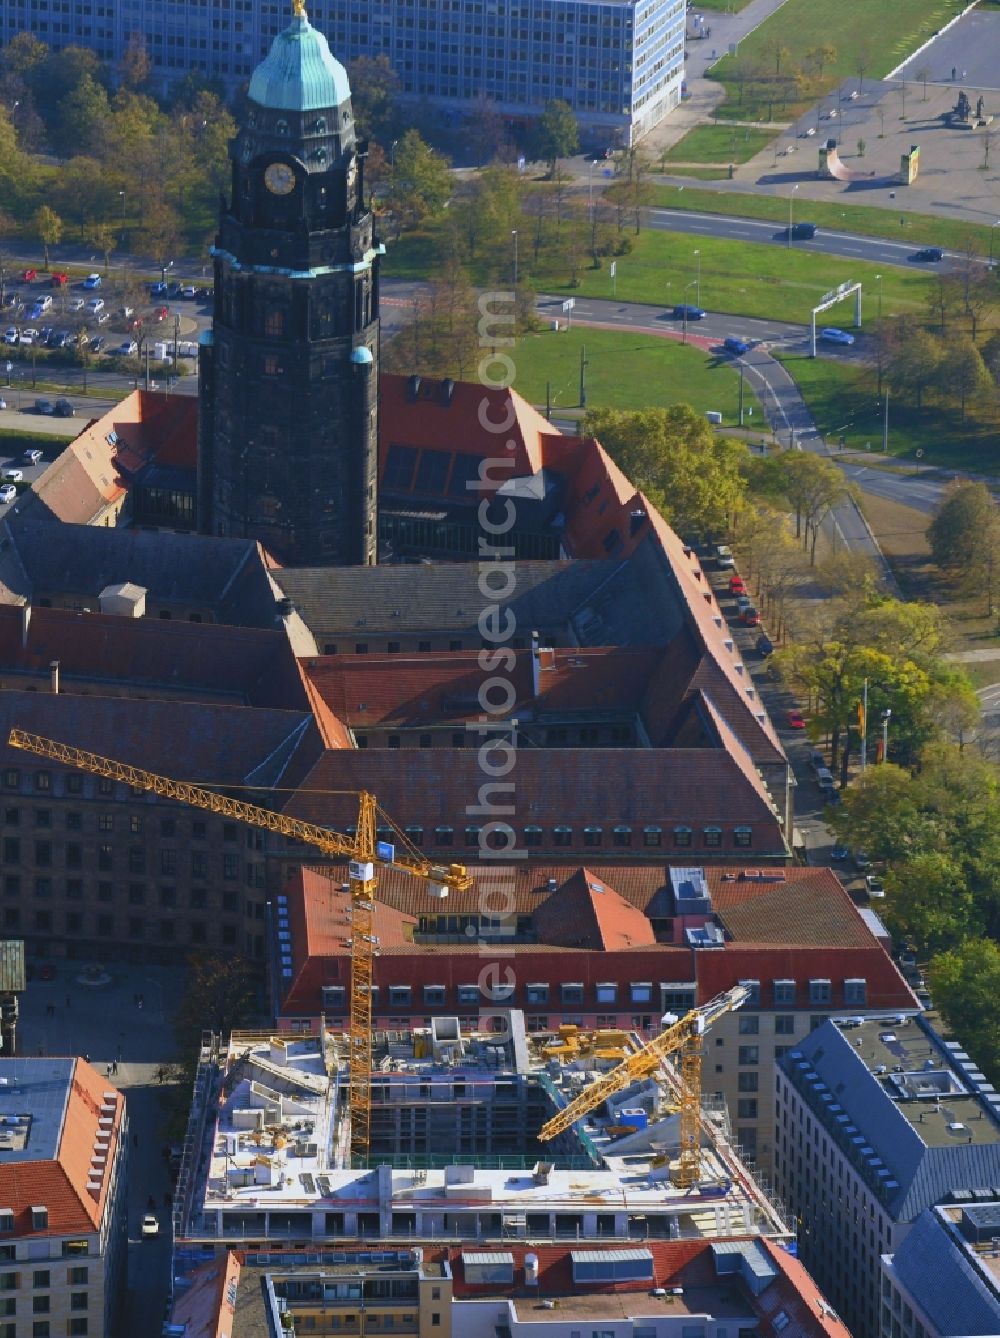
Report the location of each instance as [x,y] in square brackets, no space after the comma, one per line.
[858,35]
[719,144]
[745,278]
[627,371]
[920,229]
[844,402]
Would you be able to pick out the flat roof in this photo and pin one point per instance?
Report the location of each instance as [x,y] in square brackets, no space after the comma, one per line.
[33,1097]
[719,1300]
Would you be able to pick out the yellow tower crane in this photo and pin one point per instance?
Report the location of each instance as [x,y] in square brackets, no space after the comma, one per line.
[685,1036]
[363,852]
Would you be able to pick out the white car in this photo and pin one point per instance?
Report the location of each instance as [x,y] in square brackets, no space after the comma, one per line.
[77,304]
[26,337]
[128,348]
[95,305]
[724,557]
[128,311]
[10,335]
[7,492]
[150,1226]
[11,475]
[103,317]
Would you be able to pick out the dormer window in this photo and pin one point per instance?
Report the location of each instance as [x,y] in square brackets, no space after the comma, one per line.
[319,125]
[281,127]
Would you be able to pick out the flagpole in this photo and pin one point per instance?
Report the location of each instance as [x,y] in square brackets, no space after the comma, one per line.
[864,727]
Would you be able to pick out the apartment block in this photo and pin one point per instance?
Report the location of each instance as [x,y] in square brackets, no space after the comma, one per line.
[944,1279]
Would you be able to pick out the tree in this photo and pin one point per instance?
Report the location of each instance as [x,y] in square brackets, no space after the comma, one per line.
[963,372]
[813,486]
[160,231]
[484,131]
[965,982]
[79,120]
[84,192]
[49,227]
[914,362]
[103,237]
[780,52]
[964,534]
[692,475]
[135,66]
[218,996]
[420,183]
[825,53]
[375,89]
[929,903]
[990,353]
[555,134]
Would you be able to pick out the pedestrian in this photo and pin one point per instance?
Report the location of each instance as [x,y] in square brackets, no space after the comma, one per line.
[114,1068]
[69,1001]
[140,1001]
[107,1071]
[86,1059]
[954,73]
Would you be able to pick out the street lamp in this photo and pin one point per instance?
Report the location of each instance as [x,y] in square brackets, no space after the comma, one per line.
[513,233]
[886,715]
[590,185]
[791,201]
[392,154]
[697,281]
[122,194]
[992,226]
[879,277]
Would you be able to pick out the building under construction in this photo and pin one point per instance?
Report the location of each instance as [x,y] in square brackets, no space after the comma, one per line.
[458,1145]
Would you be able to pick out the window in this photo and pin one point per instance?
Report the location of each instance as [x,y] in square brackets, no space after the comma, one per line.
[468,994]
[621,836]
[11,850]
[399,996]
[571,993]
[415,835]
[43,817]
[536,994]
[74,821]
[472,836]
[74,784]
[78,1301]
[652,836]
[754,1000]
[105,857]
[642,992]
[784,992]
[606,993]
[784,1025]
[711,837]
[562,836]
[748,1082]
[105,822]
[749,1054]
[43,854]
[743,837]
[168,862]
[40,1305]
[819,992]
[41,1278]
[77,1327]
[748,1024]
[533,836]
[135,824]
[230,866]
[11,779]
[43,781]
[12,816]
[746,1108]
[682,837]
[434,996]
[856,992]
[335,997]
[105,785]
[444,836]
[40,1329]
[168,826]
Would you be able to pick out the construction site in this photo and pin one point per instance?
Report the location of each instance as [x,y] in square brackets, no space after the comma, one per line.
[472,1137]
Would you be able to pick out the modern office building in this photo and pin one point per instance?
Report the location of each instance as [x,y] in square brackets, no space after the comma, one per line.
[944,1280]
[878,1121]
[618,63]
[63,1228]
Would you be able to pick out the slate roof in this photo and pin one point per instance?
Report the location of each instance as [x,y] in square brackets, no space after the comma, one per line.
[195,741]
[945,1283]
[925,1175]
[66,1094]
[39,560]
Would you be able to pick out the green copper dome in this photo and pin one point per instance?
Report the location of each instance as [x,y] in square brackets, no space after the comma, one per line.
[299,73]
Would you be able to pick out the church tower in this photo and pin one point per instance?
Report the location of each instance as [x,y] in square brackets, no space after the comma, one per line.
[288,421]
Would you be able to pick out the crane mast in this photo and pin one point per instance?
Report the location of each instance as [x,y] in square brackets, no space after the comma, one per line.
[362,851]
[684,1036]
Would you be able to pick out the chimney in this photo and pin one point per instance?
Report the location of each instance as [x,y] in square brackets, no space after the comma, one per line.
[54,675]
[25,624]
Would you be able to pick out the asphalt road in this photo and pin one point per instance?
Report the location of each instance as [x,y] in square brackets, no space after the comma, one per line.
[846,244]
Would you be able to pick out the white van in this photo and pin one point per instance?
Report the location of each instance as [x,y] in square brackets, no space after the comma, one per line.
[714,416]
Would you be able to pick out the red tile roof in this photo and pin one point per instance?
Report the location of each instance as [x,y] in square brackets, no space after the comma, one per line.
[587,913]
[61,1184]
[206,1308]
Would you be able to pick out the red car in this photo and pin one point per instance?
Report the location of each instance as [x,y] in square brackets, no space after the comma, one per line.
[30,275]
[161,313]
[737,585]
[59,280]
[750,617]
[796,720]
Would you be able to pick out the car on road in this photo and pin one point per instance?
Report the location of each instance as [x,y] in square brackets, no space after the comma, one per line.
[10,335]
[96,304]
[765,646]
[808,133]
[7,492]
[839,853]
[861,860]
[189,291]
[128,348]
[831,335]
[3,402]
[44,406]
[31,456]
[735,345]
[796,720]
[77,304]
[737,586]
[63,409]
[724,556]
[684,311]
[929,255]
[150,1226]
[801,232]
[11,474]
[750,617]
[92,281]
[874,885]
[161,313]
[29,275]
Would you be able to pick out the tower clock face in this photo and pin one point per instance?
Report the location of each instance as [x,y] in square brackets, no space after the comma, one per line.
[279,179]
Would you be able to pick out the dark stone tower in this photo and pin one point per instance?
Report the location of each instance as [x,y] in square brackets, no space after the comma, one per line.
[288,424]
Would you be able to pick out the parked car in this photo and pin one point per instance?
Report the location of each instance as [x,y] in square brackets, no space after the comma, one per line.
[724,556]
[128,348]
[737,586]
[98,342]
[3,402]
[150,1226]
[189,291]
[95,305]
[29,275]
[816,759]
[7,492]
[63,409]
[43,406]
[735,345]
[874,885]
[59,280]
[103,317]
[92,281]
[11,474]
[807,133]
[685,311]
[60,339]
[77,304]
[161,313]
[27,337]
[43,303]
[750,617]
[31,456]
[929,254]
[10,335]
[796,720]
[861,860]
[831,335]
[765,646]
[743,602]
[839,853]
[158,290]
